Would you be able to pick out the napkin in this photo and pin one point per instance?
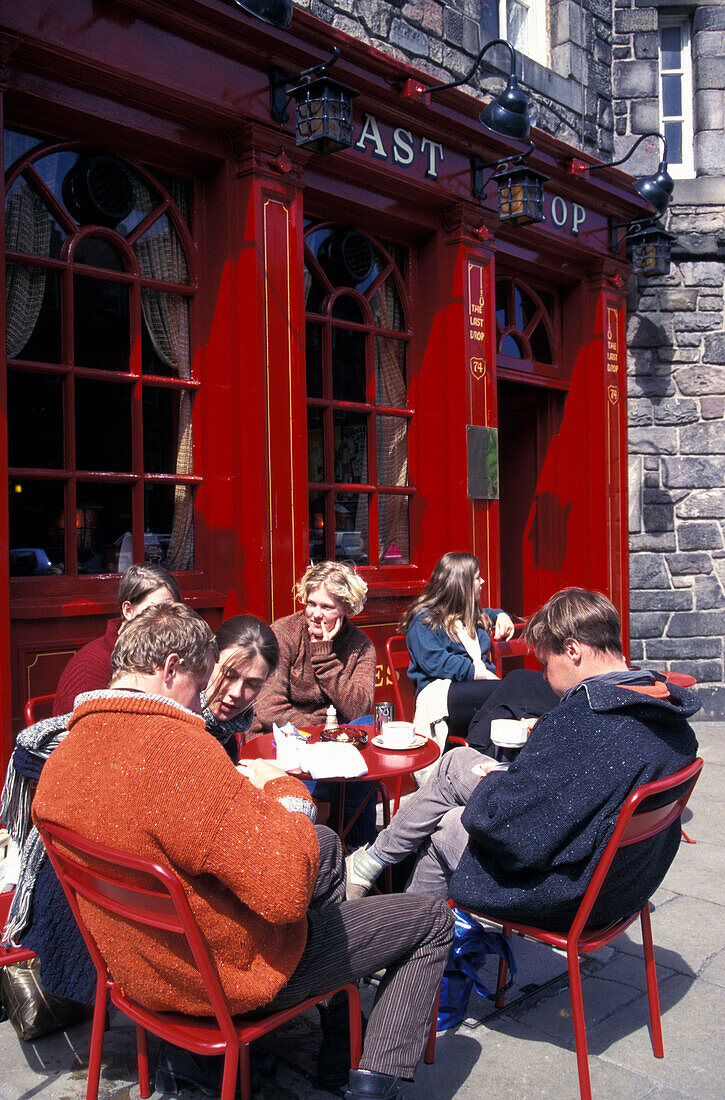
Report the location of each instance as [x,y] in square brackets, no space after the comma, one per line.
[288,747]
[332,761]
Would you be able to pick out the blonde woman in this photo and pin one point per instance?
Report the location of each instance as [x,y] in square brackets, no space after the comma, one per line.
[323,658]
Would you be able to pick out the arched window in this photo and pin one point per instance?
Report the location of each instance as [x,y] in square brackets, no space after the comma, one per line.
[99,279]
[357,416]
[526,329]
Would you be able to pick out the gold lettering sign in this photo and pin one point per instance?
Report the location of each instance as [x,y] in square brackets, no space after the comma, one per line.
[478,368]
[613,394]
[612,340]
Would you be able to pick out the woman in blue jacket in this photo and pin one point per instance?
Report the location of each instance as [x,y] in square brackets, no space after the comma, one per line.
[449,635]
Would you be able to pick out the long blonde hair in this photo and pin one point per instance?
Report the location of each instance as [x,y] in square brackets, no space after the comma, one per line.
[448,596]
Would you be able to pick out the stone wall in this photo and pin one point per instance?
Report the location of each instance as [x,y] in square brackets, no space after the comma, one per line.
[571,99]
[677,371]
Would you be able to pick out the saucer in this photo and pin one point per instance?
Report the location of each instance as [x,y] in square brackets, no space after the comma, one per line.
[416,743]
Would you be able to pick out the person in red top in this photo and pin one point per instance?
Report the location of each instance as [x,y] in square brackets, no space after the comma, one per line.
[266,886]
[90,668]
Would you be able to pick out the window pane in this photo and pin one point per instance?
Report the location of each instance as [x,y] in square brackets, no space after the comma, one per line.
[160,253]
[673,133]
[348,365]
[169,526]
[350,436]
[35,420]
[160,429]
[16,145]
[103,520]
[32,298]
[313,359]
[315,445]
[502,307]
[29,225]
[390,388]
[511,347]
[347,258]
[101,324]
[671,96]
[103,426]
[516,16]
[318,524]
[489,17]
[36,528]
[166,324]
[393,529]
[98,253]
[351,528]
[540,345]
[387,307]
[392,450]
[671,48]
[525,309]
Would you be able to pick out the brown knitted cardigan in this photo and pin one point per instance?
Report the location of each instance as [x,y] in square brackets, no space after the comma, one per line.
[312,675]
[143,775]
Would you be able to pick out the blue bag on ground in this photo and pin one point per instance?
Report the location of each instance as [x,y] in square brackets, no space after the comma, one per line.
[469,950]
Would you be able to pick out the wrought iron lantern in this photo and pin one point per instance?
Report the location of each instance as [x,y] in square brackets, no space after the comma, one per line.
[323,107]
[649,248]
[520,188]
[507,114]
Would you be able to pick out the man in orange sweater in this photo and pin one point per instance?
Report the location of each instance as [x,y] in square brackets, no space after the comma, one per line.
[138,770]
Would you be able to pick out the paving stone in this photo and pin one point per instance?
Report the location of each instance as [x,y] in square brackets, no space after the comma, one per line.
[686,932]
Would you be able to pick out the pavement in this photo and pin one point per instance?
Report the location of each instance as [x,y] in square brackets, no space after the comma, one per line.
[526,1050]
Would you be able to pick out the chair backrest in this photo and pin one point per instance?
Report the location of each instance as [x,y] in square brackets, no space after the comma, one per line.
[39,706]
[514,647]
[637,822]
[396,652]
[95,872]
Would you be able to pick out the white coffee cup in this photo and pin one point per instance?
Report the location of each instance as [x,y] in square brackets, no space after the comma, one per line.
[397,735]
[509,733]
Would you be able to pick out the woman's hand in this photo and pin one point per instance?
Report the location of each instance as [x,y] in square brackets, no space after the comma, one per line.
[503,627]
[329,631]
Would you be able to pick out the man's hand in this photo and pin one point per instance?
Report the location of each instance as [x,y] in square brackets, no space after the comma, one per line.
[503,627]
[259,772]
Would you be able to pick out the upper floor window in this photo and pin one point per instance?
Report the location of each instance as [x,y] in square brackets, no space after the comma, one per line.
[357,400]
[99,278]
[676,96]
[520,22]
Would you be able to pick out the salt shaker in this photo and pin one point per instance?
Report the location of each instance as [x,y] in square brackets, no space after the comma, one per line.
[331,719]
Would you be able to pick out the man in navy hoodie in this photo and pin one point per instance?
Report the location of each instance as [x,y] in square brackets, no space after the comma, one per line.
[524,843]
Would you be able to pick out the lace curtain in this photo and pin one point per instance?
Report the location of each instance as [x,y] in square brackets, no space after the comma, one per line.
[392,431]
[166,316]
[28,227]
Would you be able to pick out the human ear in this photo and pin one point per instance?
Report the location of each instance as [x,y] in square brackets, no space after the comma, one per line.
[573,650]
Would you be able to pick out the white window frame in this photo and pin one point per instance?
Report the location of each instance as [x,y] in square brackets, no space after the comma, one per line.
[536,44]
[686,170]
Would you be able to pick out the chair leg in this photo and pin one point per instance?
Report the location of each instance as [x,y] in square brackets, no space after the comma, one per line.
[687,839]
[94,1059]
[245,1083]
[580,1032]
[354,1011]
[430,1046]
[142,1049]
[652,991]
[503,969]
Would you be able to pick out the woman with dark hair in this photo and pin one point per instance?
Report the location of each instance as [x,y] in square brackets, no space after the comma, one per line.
[248,655]
[448,635]
[89,669]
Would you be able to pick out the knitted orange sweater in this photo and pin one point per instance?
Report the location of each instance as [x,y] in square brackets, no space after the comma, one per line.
[143,775]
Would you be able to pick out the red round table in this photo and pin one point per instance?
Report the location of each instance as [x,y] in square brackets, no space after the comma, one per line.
[386,768]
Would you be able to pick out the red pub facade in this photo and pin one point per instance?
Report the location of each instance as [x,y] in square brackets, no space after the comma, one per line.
[233,356]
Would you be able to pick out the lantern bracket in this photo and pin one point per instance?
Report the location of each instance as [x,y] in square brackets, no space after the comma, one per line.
[479,167]
[279,81]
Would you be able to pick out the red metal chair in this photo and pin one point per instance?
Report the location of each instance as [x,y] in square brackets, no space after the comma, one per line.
[163,906]
[635,823]
[10,954]
[40,706]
